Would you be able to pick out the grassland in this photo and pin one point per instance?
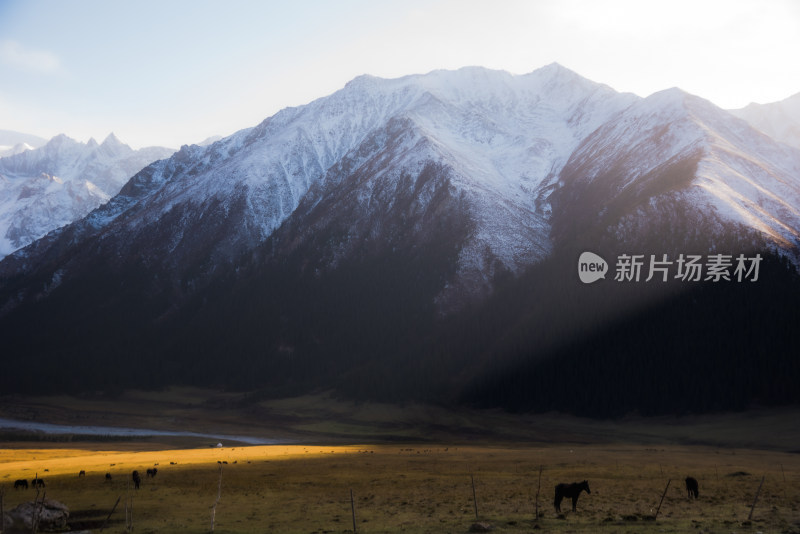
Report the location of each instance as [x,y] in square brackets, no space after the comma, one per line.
[415,488]
[410,469]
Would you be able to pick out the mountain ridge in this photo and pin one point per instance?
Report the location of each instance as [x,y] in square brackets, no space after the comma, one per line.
[361,241]
[60,182]
[779,120]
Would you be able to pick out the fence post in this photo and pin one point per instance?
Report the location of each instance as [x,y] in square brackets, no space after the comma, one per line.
[109,514]
[662,499]
[353,509]
[129,513]
[474,497]
[749,517]
[219,495]
[538,490]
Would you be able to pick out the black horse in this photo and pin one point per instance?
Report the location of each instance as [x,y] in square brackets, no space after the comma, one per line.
[692,488]
[21,483]
[570,490]
[136,479]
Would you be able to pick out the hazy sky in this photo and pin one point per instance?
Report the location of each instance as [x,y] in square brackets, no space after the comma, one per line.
[175,72]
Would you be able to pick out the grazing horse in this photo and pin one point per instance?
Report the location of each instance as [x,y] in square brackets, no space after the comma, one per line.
[82,473]
[692,488]
[108,476]
[136,479]
[152,472]
[37,482]
[21,483]
[570,490]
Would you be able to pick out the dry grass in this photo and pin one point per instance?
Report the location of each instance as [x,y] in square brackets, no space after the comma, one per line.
[406,488]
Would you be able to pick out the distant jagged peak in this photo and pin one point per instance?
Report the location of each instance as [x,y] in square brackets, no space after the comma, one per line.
[113,147]
[556,69]
[62,142]
[779,120]
[59,144]
[791,101]
[11,138]
[18,148]
[556,72]
[112,140]
[61,139]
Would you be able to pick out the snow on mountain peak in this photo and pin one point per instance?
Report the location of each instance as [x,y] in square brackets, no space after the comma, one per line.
[79,178]
[505,139]
[363,81]
[18,148]
[113,140]
[61,140]
[779,120]
[504,135]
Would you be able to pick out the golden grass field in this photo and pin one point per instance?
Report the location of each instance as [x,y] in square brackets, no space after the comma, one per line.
[414,488]
[410,470]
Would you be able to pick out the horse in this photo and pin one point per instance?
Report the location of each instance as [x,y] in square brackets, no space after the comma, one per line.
[570,490]
[82,473]
[136,479]
[37,482]
[151,473]
[21,483]
[692,488]
[108,476]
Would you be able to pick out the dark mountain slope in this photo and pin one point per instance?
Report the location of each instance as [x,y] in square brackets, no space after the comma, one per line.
[417,239]
[692,348]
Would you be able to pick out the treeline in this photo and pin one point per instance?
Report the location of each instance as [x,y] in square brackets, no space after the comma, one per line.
[279,325]
[691,347]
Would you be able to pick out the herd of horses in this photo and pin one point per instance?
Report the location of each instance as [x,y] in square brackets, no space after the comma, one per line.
[23,484]
[39,483]
[574,490]
[571,491]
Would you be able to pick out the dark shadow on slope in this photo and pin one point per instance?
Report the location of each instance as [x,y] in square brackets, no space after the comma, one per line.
[695,348]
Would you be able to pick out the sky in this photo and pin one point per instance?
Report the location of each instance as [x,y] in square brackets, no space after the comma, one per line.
[176,72]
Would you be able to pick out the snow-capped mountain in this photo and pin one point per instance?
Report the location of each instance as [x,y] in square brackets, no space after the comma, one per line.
[508,148]
[18,148]
[676,159]
[45,188]
[12,142]
[503,137]
[779,120]
[347,228]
